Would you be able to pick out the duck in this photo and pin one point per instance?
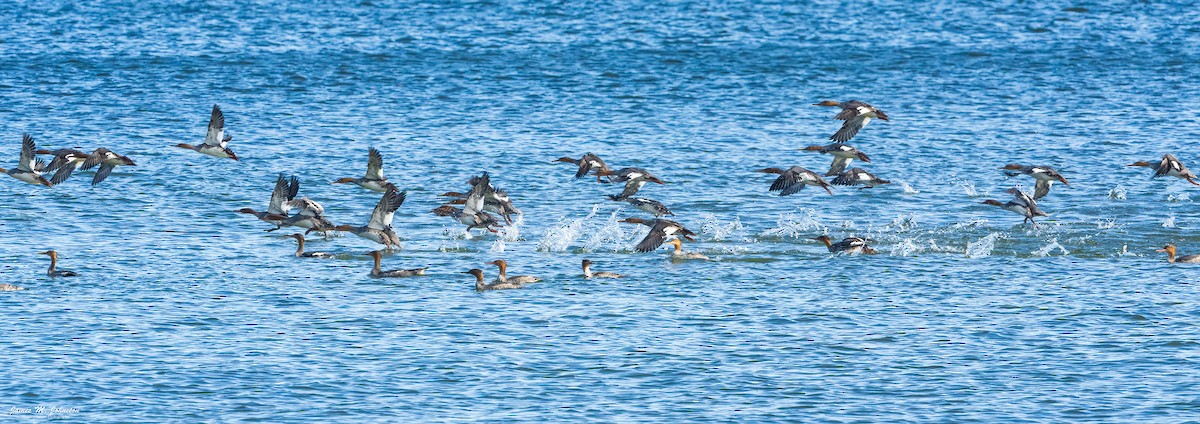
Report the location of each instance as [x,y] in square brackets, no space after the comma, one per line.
[1022,204]
[1170,250]
[679,255]
[1044,176]
[1169,166]
[472,214]
[634,179]
[374,179]
[379,228]
[65,162]
[395,273]
[29,167]
[587,272]
[856,114]
[215,141]
[108,160]
[848,245]
[651,206]
[504,278]
[842,154]
[793,179]
[285,191]
[53,263]
[300,253]
[859,176]
[660,230]
[481,286]
[588,163]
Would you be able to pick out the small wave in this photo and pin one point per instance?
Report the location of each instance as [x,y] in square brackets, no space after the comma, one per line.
[983,247]
[1169,222]
[1181,197]
[1045,250]
[1117,193]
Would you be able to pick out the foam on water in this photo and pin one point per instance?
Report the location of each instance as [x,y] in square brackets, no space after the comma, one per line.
[792,225]
[1051,247]
[983,247]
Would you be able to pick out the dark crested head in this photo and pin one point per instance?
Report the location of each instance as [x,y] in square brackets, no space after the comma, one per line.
[1139,163]
[297,236]
[452,194]
[827,103]
[343,227]
[567,160]
[770,170]
[247,210]
[814,148]
[587,262]
[445,210]
[478,273]
[49,252]
[863,157]
[344,180]
[633,220]
[1012,166]
[127,161]
[375,254]
[1063,179]
[655,180]
[992,202]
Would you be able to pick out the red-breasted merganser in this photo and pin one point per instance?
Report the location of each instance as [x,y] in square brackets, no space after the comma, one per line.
[29,167]
[1043,175]
[107,161]
[849,245]
[374,179]
[634,179]
[494,200]
[215,140]
[842,154]
[660,230]
[793,179]
[679,255]
[856,114]
[285,191]
[300,249]
[379,228]
[54,262]
[1169,166]
[859,176]
[504,278]
[481,286]
[588,163]
[1170,250]
[395,273]
[65,162]
[587,272]
[474,203]
[652,207]
[1021,204]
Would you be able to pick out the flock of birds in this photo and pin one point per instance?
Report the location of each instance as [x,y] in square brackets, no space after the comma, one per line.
[481,200]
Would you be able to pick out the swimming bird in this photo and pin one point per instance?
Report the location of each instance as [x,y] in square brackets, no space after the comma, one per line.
[374,179]
[679,255]
[848,245]
[634,179]
[300,249]
[29,167]
[842,154]
[395,273]
[481,286]
[1043,175]
[652,207]
[379,228]
[285,191]
[65,162]
[660,230]
[587,272]
[588,163]
[1170,249]
[54,262]
[1021,204]
[859,176]
[107,161]
[504,278]
[856,114]
[215,141]
[793,179]
[1169,166]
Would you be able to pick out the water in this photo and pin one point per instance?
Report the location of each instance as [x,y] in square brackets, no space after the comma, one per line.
[188,311]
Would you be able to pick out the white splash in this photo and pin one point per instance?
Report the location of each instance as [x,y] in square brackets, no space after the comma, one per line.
[1181,197]
[1107,224]
[1170,222]
[1045,250]
[497,246]
[718,231]
[969,188]
[559,237]
[1117,193]
[512,232]
[982,247]
[904,222]
[847,225]
[609,233]
[791,225]
[905,247]
[907,189]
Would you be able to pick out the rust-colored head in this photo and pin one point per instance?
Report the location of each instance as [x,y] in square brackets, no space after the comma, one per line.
[1012,166]
[567,160]
[633,220]
[677,243]
[344,180]
[50,253]
[827,103]
[587,263]
[863,157]
[452,194]
[185,146]
[1169,249]
[248,210]
[655,180]
[770,170]
[992,202]
[446,210]
[1139,163]
[375,254]
[343,227]
[824,239]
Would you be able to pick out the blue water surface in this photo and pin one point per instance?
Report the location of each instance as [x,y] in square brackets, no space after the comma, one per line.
[188,312]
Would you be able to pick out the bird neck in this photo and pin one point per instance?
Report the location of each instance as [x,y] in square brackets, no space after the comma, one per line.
[376,268]
[299,247]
